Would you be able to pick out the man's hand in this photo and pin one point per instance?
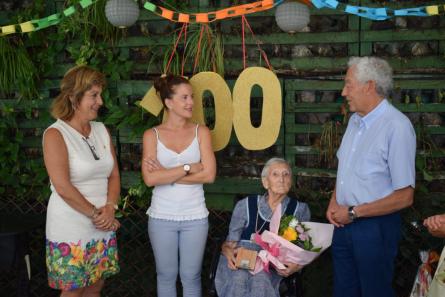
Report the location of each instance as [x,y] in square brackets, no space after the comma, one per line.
[436,225]
[337,214]
[341,215]
[332,208]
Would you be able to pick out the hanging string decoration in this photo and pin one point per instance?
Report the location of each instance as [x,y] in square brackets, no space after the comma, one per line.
[381,13]
[45,22]
[208,17]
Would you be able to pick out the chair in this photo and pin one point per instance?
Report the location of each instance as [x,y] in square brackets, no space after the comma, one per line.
[289,287]
[14,249]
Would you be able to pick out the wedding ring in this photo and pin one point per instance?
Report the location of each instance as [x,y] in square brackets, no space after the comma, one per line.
[103,221]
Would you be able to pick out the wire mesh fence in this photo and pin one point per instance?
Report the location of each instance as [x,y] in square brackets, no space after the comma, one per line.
[138,272]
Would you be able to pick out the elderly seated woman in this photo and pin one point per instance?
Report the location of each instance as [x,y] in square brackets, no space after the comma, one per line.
[252,215]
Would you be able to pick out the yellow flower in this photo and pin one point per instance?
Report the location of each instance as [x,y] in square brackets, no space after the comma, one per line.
[100,246]
[77,253]
[290,234]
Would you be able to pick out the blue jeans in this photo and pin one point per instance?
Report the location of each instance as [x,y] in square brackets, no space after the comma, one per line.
[363,254]
[183,242]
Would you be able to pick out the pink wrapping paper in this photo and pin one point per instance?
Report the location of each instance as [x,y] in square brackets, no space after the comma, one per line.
[277,250]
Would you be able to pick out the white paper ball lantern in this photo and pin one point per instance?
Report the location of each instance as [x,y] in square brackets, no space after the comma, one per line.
[122,13]
[292,16]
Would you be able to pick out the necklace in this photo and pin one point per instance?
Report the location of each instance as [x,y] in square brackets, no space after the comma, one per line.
[79,130]
[265,221]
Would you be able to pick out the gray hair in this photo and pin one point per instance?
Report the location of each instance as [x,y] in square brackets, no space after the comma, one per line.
[375,69]
[270,162]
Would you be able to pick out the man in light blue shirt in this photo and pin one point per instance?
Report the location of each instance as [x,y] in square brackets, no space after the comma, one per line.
[375,179]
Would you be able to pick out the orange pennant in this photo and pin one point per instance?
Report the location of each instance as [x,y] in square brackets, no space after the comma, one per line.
[166,13]
[183,18]
[202,18]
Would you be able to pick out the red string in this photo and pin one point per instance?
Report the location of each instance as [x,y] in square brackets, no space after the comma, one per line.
[243,42]
[209,41]
[199,48]
[263,53]
[183,52]
[174,48]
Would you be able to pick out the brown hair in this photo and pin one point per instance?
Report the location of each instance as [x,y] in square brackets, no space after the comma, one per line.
[73,86]
[165,86]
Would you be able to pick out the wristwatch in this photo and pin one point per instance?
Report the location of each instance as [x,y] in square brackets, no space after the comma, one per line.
[351,213]
[187,168]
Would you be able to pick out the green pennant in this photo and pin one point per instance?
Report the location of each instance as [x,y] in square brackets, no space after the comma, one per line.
[150,6]
[85,3]
[69,11]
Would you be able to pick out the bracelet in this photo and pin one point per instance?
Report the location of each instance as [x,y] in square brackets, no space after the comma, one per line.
[94,212]
[112,204]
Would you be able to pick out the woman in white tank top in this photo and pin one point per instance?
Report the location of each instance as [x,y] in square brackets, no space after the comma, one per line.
[177,160]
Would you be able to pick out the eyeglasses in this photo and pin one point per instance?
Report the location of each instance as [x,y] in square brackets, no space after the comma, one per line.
[92,148]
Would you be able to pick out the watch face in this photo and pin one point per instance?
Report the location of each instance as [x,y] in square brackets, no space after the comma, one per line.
[187,167]
[351,216]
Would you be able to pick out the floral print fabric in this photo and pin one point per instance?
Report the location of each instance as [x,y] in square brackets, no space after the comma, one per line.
[70,266]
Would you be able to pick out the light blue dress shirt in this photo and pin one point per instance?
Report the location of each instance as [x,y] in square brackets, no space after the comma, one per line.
[376,156]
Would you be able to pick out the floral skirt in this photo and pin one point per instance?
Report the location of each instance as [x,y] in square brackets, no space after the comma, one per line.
[76,265]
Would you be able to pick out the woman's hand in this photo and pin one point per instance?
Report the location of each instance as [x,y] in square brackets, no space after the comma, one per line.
[115,225]
[228,249]
[152,164]
[436,225]
[105,218]
[290,269]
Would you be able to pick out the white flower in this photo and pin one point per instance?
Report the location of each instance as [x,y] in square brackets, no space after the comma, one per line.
[293,223]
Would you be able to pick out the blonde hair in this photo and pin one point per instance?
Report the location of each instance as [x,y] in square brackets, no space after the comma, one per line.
[73,86]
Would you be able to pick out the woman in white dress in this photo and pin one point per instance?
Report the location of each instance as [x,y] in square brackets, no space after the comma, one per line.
[81,249]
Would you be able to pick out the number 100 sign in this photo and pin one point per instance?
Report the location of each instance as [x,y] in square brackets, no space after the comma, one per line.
[233,109]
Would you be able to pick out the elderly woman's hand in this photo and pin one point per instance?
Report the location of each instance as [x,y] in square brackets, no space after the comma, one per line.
[290,269]
[228,249]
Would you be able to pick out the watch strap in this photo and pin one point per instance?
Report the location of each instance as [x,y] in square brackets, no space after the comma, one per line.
[351,213]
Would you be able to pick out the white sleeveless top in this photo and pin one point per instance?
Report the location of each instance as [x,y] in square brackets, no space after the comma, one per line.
[178,202]
[89,176]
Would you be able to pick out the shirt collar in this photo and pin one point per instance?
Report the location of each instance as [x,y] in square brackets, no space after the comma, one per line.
[264,207]
[370,118]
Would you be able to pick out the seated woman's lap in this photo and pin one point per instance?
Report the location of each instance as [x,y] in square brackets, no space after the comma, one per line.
[242,283]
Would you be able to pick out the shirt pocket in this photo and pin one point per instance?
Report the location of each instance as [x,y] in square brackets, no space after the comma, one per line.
[369,165]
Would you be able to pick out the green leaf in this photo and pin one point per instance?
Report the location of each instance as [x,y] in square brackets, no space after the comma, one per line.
[427,176]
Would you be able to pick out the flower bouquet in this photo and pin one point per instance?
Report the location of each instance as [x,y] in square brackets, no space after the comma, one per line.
[296,232]
[291,241]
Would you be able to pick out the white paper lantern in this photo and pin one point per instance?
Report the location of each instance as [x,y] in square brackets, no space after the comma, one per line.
[292,16]
[122,13]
